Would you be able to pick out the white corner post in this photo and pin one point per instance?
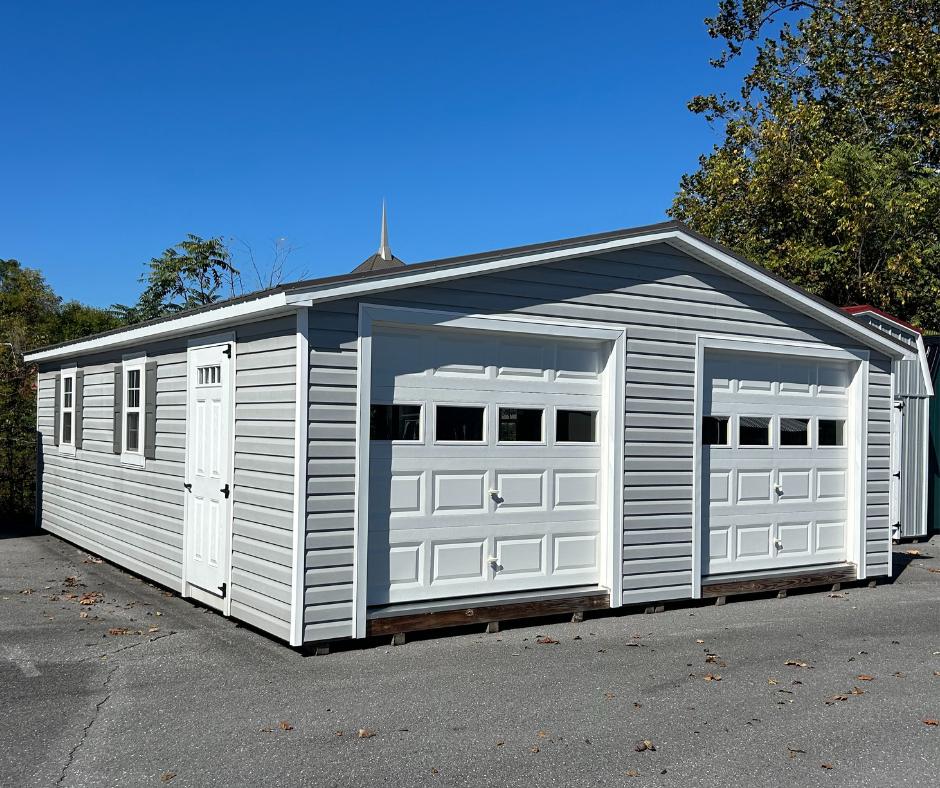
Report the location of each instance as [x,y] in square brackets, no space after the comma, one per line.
[301,399]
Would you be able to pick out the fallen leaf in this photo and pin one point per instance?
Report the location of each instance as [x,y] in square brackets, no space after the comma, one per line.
[608,695]
[836,596]
[545,640]
[543,735]
[265,730]
[167,776]
[602,651]
[710,677]
[840,697]
[900,675]
[638,705]
[699,641]
[120,631]
[365,733]
[936,673]
[286,726]
[28,591]
[433,770]
[796,682]
[645,745]
[931,722]
[794,752]
[587,741]
[632,773]
[794,662]
[337,733]
[772,681]
[535,749]
[857,691]
[83,614]
[827,766]
[866,678]
[500,743]
[913,552]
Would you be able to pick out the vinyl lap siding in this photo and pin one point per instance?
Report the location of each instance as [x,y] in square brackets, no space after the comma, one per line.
[263,489]
[877,506]
[331,474]
[664,298]
[131,516]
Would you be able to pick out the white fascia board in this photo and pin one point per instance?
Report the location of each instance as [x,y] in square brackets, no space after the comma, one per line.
[924,366]
[676,238]
[200,321]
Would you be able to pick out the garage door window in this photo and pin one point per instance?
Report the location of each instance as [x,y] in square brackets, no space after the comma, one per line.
[831,432]
[463,424]
[715,431]
[754,431]
[520,425]
[395,423]
[794,432]
[576,426]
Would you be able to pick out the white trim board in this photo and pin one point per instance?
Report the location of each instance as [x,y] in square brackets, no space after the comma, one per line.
[856,438]
[397,279]
[611,574]
[301,448]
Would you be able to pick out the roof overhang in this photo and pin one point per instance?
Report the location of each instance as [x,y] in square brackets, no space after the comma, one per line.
[317,291]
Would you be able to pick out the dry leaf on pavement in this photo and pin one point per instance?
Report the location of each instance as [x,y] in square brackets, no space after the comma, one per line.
[167,776]
[865,678]
[286,726]
[365,733]
[827,766]
[931,722]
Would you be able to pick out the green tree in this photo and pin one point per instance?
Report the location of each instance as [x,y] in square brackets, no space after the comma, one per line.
[189,275]
[829,171]
[31,315]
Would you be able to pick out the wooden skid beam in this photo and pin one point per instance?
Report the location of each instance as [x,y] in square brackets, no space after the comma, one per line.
[781,583]
[483,615]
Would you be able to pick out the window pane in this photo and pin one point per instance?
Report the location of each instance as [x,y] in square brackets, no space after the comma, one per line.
[754,431]
[714,430]
[67,392]
[459,424]
[133,432]
[395,423]
[520,424]
[133,388]
[794,432]
[575,426]
[67,428]
[831,432]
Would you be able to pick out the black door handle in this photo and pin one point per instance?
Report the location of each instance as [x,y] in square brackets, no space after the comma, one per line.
[896,475]
[225,490]
[188,486]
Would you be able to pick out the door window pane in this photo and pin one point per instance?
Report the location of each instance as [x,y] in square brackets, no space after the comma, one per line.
[67,427]
[576,426]
[395,423]
[133,388]
[831,432]
[457,423]
[714,430]
[794,432]
[520,424]
[67,392]
[133,432]
[754,431]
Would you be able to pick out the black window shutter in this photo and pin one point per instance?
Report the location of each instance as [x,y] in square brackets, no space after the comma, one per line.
[78,401]
[57,407]
[118,408]
[150,410]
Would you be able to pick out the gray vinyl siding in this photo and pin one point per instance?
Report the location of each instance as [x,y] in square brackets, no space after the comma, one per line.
[263,489]
[665,298]
[134,516]
[877,505]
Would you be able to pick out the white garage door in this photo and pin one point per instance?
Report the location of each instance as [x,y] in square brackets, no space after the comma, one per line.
[775,462]
[485,464]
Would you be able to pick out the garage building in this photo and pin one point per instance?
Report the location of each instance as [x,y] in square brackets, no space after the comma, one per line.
[618,419]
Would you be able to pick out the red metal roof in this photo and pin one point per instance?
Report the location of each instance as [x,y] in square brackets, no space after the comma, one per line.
[857,310]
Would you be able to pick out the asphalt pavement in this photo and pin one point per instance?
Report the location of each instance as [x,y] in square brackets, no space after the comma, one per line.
[107,680]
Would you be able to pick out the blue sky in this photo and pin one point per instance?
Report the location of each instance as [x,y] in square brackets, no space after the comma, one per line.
[484,125]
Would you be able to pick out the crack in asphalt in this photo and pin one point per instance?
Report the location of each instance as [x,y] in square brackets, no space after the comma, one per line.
[88,725]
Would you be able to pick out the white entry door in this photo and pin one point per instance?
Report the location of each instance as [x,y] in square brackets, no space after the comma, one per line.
[485,464]
[208,468]
[774,462]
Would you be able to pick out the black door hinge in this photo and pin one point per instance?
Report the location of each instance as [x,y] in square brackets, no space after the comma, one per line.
[896,475]
[228,351]
[225,490]
[899,404]
[222,589]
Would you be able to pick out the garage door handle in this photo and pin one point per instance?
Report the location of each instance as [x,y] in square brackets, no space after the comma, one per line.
[896,475]
[492,560]
[491,491]
[777,542]
[778,488]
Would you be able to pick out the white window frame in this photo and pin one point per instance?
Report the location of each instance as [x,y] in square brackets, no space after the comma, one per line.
[597,426]
[542,442]
[421,430]
[130,363]
[446,404]
[67,373]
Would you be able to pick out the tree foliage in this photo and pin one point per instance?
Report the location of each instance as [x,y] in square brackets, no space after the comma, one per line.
[829,171]
[189,275]
[31,315]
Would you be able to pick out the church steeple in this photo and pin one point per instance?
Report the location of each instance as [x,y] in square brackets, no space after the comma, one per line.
[384,257]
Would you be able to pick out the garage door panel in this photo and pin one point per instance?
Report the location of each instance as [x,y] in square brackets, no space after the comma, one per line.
[439,512]
[786,505]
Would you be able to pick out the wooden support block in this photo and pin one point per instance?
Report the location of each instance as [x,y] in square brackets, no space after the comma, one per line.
[721,600]
[836,587]
[577,617]
[782,594]
[655,609]
[872,583]
[398,639]
[492,628]
[322,650]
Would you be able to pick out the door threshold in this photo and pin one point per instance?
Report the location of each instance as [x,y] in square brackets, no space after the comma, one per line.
[205,597]
[806,577]
[437,614]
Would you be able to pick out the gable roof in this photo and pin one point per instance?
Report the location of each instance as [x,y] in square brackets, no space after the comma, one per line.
[915,335]
[288,297]
[861,310]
